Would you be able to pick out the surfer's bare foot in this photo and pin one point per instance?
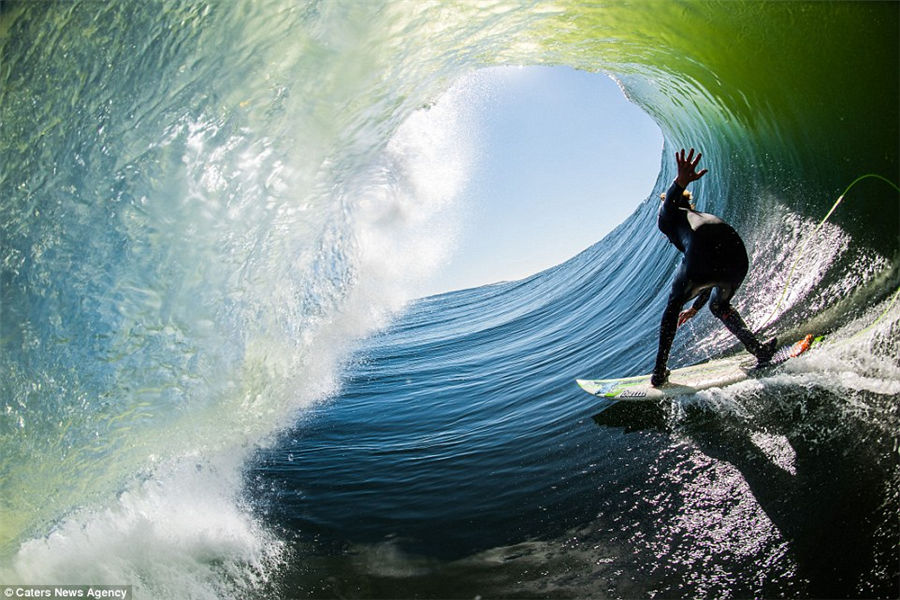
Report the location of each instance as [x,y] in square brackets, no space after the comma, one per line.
[766,352]
[659,380]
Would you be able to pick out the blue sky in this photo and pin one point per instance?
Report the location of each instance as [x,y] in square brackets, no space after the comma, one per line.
[561,158]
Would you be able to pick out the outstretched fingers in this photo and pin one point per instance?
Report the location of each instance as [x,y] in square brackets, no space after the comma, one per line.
[688,164]
[680,159]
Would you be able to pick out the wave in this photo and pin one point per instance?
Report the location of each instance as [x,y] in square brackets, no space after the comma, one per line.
[196,234]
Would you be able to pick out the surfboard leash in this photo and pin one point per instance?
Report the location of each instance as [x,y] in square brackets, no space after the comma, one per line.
[815,234]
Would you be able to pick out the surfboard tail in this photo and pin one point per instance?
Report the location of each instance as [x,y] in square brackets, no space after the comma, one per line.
[801,346]
[794,350]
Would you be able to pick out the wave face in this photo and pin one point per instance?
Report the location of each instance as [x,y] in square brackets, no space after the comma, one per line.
[207,205]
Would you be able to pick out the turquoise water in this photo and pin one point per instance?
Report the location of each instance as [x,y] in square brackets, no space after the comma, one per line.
[216,380]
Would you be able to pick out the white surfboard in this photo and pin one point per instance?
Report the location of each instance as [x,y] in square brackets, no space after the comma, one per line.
[690,380]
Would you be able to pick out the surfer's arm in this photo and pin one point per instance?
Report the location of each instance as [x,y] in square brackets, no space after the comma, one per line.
[671,200]
[701,300]
[687,315]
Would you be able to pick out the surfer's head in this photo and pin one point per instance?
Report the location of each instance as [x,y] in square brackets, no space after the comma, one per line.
[686,200]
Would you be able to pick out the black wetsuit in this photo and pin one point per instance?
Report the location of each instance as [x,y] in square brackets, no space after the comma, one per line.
[714,265]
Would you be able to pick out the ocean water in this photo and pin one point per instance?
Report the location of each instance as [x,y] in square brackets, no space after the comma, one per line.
[218,381]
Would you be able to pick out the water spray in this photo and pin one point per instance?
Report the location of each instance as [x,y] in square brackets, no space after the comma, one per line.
[799,255]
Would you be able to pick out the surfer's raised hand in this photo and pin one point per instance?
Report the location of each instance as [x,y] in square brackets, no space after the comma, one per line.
[687,168]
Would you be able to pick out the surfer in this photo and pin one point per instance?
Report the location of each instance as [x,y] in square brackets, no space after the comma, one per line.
[714,265]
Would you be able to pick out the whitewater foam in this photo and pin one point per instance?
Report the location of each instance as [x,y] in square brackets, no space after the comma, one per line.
[183,532]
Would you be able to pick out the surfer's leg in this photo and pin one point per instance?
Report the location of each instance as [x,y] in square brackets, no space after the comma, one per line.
[681,293]
[720,306]
[667,329]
